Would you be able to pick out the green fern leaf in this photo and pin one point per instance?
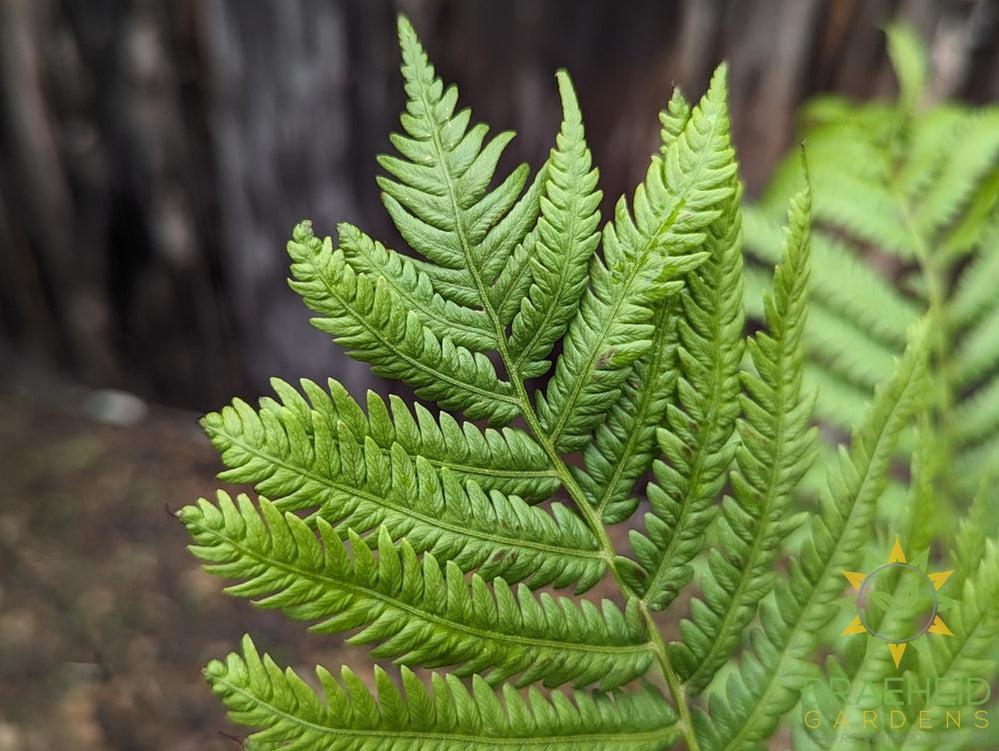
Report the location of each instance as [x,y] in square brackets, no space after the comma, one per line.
[971,650]
[903,192]
[372,323]
[624,444]
[644,258]
[699,425]
[466,327]
[401,527]
[438,195]
[911,63]
[361,472]
[775,450]
[293,433]
[566,239]
[347,717]
[745,711]
[421,612]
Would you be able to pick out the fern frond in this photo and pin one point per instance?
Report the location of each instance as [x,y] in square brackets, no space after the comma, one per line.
[699,425]
[978,352]
[417,611]
[974,295]
[903,191]
[372,323]
[566,239]
[841,283]
[624,444]
[965,160]
[870,664]
[361,472]
[850,351]
[977,526]
[977,417]
[466,327]
[769,679]
[644,259]
[776,447]
[296,435]
[911,63]
[402,528]
[345,716]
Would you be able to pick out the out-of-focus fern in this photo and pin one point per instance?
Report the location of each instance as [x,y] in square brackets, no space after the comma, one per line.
[426,536]
[906,202]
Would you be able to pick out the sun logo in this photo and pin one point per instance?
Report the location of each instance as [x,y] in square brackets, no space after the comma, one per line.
[898,602]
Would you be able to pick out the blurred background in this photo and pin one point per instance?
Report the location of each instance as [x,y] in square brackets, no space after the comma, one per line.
[153,158]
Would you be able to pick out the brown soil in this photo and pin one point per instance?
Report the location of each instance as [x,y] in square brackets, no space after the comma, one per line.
[105,619]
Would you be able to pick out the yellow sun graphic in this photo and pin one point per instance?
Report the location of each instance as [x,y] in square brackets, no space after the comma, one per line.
[897,602]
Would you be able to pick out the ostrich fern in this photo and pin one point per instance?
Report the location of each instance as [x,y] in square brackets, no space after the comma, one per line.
[427,537]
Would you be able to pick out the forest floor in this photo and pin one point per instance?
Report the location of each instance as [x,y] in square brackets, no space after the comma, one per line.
[105,618]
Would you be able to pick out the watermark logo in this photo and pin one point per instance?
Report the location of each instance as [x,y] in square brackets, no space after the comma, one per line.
[899,602]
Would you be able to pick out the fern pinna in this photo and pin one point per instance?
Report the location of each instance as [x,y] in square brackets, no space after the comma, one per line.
[427,537]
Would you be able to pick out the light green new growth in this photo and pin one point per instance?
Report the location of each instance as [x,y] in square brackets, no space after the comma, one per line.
[610,363]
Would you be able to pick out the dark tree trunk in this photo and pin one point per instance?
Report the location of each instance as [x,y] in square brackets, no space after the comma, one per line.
[154,155]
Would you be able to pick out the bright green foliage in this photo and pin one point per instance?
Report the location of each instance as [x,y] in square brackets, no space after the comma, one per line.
[906,198]
[775,450]
[971,651]
[906,202]
[695,440]
[438,484]
[373,324]
[746,708]
[420,612]
[424,535]
[566,238]
[644,254]
[448,715]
